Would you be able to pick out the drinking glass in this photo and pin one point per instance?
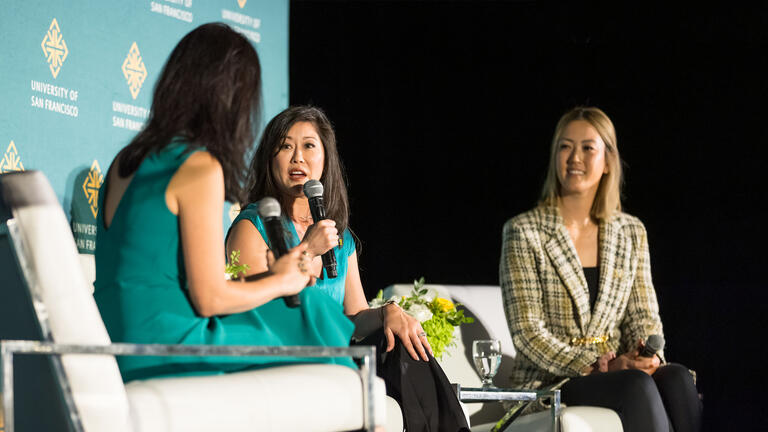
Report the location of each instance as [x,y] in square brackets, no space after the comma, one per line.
[487,357]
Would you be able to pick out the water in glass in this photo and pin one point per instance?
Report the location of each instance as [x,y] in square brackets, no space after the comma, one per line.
[487,357]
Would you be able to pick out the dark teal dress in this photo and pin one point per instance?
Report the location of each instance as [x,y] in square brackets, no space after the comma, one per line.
[333,287]
[141,289]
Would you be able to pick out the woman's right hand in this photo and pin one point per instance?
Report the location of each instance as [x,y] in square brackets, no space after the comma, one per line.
[321,237]
[601,365]
[293,268]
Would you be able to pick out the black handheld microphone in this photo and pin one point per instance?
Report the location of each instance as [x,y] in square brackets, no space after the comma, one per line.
[653,344]
[313,189]
[269,210]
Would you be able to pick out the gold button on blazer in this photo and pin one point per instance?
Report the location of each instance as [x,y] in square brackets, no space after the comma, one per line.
[546,299]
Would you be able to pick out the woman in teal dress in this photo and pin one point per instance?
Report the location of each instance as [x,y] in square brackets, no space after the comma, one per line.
[160,246]
[299,145]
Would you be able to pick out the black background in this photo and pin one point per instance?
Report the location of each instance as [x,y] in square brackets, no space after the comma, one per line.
[444,112]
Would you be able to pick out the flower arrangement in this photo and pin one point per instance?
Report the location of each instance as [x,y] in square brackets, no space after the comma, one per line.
[438,316]
[232,270]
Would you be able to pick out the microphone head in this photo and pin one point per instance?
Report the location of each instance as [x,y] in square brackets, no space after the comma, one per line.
[269,208]
[655,343]
[313,189]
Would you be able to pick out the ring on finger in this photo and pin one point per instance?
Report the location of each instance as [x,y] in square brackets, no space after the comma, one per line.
[422,334]
[302,266]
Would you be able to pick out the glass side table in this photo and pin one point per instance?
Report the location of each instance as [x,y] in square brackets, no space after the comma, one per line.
[523,398]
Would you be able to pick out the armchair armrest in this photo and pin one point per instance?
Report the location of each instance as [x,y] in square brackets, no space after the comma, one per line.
[8,348]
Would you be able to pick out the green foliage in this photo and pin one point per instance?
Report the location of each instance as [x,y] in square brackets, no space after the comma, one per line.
[439,334]
[233,269]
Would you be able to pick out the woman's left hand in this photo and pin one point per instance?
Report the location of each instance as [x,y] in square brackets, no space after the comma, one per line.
[408,329]
[634,361]
[646,364]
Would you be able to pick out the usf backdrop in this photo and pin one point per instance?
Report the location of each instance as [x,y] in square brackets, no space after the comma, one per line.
[76,80]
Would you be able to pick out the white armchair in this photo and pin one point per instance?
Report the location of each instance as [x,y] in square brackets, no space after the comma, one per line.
[484,303]
[307,397]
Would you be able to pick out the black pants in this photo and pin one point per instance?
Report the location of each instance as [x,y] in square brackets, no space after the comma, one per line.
[424,393]
[666,401]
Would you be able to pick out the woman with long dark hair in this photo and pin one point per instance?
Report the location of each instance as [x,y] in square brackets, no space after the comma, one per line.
[160,247]
[576,279]
[299,145]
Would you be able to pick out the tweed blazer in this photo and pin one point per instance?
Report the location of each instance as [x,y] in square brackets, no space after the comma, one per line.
[546,299]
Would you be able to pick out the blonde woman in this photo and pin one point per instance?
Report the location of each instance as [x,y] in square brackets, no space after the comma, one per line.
[576,280]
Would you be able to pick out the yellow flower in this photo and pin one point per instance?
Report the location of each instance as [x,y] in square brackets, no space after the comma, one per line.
[445,304]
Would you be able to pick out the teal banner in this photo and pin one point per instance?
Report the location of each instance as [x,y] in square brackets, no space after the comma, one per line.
[77,81]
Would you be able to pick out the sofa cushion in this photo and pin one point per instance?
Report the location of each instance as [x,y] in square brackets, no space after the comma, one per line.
[572,419]
[306,397]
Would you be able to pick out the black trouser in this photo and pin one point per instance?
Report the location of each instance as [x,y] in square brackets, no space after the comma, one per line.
[666,401]
[425,395]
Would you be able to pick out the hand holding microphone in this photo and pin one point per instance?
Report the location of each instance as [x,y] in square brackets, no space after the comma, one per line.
[321,237]
[313,189]
[652,345]
[269,210]
[647,360]
[644,359]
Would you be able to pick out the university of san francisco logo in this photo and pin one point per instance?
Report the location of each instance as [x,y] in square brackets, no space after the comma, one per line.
[91,187]
[54,48]
[134,70]
[241,3]
[11,160]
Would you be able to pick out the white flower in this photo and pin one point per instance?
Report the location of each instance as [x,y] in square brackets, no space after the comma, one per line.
[420,312]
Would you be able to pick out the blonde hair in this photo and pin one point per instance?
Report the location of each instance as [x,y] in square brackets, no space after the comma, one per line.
[608,197]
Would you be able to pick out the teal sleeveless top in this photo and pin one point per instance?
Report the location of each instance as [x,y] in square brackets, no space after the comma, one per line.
[141,289]
[333,287]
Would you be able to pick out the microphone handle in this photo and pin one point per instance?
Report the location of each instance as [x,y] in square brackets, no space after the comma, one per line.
[317,208]
[646,352]
[275,235]
[329,264]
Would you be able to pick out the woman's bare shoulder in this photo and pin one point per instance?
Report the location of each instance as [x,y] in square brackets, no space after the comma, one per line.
[200,179]
[200,170]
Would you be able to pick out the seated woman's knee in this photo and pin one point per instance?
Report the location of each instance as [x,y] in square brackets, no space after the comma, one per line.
[637,383]
[673,372]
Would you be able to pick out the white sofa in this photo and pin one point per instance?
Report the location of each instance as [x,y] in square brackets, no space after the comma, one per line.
[306,397]
[485,304]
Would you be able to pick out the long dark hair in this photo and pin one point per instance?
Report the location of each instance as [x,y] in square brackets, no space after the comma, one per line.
[262,184]
[209,93]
